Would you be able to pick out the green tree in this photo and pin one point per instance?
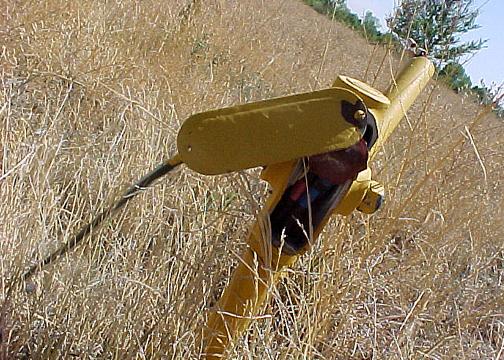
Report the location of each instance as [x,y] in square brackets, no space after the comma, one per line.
[483,93]
[370,25]
[341,12]
[490,95]
[436,25]
[456,77]
[338,10]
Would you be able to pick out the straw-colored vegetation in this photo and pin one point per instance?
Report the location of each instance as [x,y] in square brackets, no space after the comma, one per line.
[92,96]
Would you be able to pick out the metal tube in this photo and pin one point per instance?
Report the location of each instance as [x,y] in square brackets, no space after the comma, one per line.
[402,94]
[244,296]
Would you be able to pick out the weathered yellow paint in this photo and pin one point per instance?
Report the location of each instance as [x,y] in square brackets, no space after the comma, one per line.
[373,199]
[355,194]
[267,132]
[244,296]
[261,264]
[372,97]
[259,268]
[402,94]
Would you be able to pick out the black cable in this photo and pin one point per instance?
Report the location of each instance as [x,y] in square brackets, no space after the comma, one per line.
[141,184]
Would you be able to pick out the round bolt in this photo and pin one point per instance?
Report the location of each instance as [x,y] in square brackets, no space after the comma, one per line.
[359,115]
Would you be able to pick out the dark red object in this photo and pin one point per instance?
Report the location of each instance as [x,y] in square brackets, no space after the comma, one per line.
[342,165]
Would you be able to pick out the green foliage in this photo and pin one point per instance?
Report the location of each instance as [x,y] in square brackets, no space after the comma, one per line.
[338,10]
[488,95]
[436,25]
[370,24]
[318,5]
[499,111]
[454,74]
[483,92]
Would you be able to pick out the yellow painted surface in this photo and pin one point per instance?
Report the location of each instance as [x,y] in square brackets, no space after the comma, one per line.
[373,198]
[267,132]
[261,263]
[402,94]
[243,298]
[372,97]
[355,194]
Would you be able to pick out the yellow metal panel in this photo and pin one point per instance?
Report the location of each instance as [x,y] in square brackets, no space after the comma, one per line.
[372,97]
[277,175]
[267,132]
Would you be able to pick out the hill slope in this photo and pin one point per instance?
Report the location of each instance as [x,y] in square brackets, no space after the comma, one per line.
[93,94]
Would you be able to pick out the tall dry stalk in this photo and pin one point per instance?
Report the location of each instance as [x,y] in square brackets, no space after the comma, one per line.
[92,96]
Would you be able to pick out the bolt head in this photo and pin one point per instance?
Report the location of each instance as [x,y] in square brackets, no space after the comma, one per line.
[360,115]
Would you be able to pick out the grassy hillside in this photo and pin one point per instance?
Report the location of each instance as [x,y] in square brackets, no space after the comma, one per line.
[92,96]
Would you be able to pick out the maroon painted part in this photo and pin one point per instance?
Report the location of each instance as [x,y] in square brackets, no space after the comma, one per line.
[339,166]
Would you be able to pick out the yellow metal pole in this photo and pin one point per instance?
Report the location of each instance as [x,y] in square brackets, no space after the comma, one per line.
[259,268]
[241,300]
[261,264]
[402,94]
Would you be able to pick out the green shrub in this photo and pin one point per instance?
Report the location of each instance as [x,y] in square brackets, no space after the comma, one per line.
[338,10]
[455,76]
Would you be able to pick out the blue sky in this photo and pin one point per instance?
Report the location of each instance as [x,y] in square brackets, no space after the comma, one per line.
[486,64]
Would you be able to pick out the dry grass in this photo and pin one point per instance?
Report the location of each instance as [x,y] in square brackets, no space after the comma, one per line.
[92,95]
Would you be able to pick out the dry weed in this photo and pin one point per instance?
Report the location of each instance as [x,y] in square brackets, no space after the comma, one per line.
[92,96]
